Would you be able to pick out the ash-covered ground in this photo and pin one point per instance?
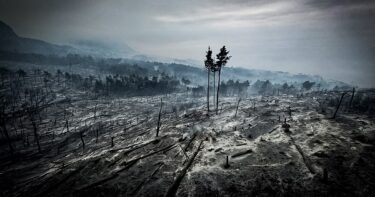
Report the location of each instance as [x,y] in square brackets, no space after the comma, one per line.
[110,148]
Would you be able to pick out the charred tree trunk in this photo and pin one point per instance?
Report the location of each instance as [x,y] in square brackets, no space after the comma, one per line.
[159,117]
[36,136]
[253,102]
[351,99]
[5,131]
[172,191]
[97,135]
[67,125]
[338,105]
[226,165]
[238,103]
[83,141]
[325,175]
[95,111]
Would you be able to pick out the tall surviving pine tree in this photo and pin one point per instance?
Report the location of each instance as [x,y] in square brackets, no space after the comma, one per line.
[222,59]
[209,64]
[214,69]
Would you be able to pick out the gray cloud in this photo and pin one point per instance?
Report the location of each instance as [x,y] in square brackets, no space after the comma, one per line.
[331,38]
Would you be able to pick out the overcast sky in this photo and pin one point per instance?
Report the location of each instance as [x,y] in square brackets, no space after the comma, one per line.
[335,39]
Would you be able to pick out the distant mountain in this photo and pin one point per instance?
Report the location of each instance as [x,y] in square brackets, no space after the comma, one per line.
[6,32]
[16,48]
[104,49]
[148,58]
[10,41]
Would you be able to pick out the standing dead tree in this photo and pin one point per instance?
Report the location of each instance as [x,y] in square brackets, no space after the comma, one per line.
[325,175]
[67,114]
[351,98]
[338,105]
[3,122]
[289,111]
[67,124]
[81,135]
[10,103]
[159,117]
[238,103]
[36,102]
[253,102]
[36,99]
[97,134]
[226,165]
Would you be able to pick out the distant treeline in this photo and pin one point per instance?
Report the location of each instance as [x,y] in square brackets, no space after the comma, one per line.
[229,88]
[108,65]
[128,67]
[265,88]
[132,85]
[45,59]
[136,85]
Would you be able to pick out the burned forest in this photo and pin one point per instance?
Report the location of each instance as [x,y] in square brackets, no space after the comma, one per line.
[95,120]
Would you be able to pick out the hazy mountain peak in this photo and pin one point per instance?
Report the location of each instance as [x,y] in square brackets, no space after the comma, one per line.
[6,31]
[10,41]
[104,48]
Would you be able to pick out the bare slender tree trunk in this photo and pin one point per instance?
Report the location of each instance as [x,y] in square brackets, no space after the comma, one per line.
[238,103]
[338,106]
[217,95]
[351,99]
[97,135]
[8,138]
[208,91]
[214,88]
[83,141]
[325,175]
[226,165]
[159,124]
[67,125]
[36,136]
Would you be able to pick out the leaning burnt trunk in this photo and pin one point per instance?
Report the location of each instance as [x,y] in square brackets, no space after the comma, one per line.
[338,105]
[159,117]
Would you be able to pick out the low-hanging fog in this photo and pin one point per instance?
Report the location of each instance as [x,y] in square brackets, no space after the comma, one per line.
[333,39]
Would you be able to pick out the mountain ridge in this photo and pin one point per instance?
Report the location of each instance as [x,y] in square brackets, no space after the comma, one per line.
[13,44]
